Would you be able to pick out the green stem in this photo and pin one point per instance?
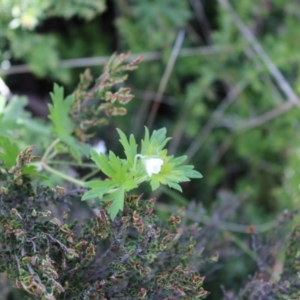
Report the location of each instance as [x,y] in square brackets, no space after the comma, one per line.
[135,158]
[91,174]
[57,162]
[48,150]
[62,175]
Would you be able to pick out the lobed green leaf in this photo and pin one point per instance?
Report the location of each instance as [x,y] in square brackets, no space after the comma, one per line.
[117,204]
[130,147]
[59,112]
[102,162]
[9,151]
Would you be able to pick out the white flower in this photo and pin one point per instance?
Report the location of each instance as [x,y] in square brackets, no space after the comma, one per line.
[100,147]
[14,23]
[153,165]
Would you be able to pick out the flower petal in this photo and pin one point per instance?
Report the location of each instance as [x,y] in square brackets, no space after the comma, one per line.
[153,165]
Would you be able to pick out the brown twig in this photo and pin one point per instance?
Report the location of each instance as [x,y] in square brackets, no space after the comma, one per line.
[165,77]
[215,117]
[268,116]
[100,60]
[202,19]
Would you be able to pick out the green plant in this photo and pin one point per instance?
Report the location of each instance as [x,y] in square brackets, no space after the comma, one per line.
[124,249]
[152,164]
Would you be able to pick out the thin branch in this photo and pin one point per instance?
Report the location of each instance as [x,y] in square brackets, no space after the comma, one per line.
[202,19]
[150,95]
[166,77]
[100,60]
[268,116]
[220,224]
[258,121]
[277,75]
[215,117]
[227,297]
[177,134]
[142,113]
[62,246]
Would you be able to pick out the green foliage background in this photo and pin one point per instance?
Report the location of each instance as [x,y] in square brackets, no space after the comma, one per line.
[213,101]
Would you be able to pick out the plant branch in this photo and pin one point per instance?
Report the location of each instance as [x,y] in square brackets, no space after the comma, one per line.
[48,150]
[215,117]
[100,60]
[268,116]
[202,19]
[62,175]
[223,225]
[166,77]
[70,163]
[277,75]
[229,99]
